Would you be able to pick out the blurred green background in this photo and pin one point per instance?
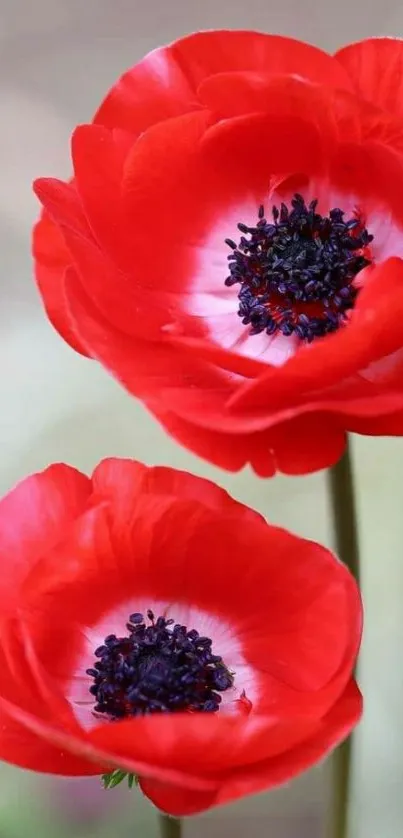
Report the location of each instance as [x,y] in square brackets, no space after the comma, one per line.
[57,59]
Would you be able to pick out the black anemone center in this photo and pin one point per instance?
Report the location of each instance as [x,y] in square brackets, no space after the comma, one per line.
[296,271]
[157,668]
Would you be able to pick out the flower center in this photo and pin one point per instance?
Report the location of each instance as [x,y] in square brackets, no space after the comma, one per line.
[296,273]
[157,668]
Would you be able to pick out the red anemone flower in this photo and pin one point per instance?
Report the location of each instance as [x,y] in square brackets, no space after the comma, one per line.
[135,634]
[229,247]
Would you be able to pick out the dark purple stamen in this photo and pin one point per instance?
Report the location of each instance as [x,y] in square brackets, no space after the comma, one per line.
[296,272]
[159,668]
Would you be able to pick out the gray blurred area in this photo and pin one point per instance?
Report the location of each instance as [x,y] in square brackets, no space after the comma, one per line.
[57,58]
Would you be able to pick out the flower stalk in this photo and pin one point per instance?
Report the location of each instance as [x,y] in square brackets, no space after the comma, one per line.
[170,827]
[341,483]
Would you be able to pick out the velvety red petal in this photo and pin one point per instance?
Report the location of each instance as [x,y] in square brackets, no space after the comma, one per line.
[33,517]
[390,425]
[373,332]
[25,687]
[331,730]
[225,359]
[258,146]
[373,171]
[76,582]
[167,781]
[201,748]
[306,619]
[116,295]
[22,747]
[147,175]
[207,53]
[337,114]
[307,443]
[239,94]
[351,397]
[375,69]
[28,748]
[229,451]
[142,367]
[198,185]
[98,160]
[300,445]
[155,89]
[302,633]
[324,602]
[263,775]
[51,259]
[164,84]
[109,746]
[62,204]
[177,801]
[122,481]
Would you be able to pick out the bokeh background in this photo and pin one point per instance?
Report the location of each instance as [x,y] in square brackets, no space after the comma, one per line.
[57,58]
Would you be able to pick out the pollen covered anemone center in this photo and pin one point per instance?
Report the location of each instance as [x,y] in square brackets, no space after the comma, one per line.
[161,667]
[296,272]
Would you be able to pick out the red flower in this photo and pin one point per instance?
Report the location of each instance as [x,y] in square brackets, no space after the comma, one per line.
[261,679]
[222,128]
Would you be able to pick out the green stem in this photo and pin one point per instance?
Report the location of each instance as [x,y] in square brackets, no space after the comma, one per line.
[170,827]
[341,483]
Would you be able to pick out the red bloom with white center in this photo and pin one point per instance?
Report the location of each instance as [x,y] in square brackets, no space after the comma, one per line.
[129,640]
[262,343]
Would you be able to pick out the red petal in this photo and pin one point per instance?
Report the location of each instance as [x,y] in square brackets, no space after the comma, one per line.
[198,185]
[191,192]
[62,204]
[372,170]
[297,446]
[225,359]
[373,332]
[33,517]
[307,443]
[102,278]
[142,367]
[51,259]
[375,68]
[200,748]
[117,297]
[301,634]
[207,53]
[305,597]
[263,775]
[27,749]
[304,628]
[390,425]
[259,146]
[154,90]
[331,730]
[229,451]
[124,481]
[149,183]
[98,167]
[239,94]
[164,84]
[177,801]
[337,114]
[25,688]
[96,753]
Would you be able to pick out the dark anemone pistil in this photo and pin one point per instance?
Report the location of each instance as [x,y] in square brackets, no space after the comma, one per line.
[296,272]
[157,668]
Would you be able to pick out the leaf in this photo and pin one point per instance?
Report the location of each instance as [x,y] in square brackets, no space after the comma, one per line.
[109,781]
